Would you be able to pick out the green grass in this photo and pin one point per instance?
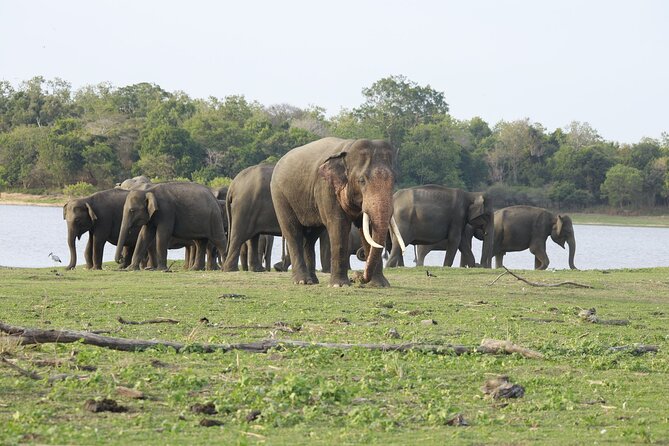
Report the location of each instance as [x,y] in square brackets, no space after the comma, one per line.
[579,393]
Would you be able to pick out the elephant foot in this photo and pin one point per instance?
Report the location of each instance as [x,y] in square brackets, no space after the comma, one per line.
[131,268]
[339,282]
[300,279]
[259,269]
[378,282]
[230,269]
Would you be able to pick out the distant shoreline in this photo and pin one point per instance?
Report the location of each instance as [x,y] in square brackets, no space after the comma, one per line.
[647,221]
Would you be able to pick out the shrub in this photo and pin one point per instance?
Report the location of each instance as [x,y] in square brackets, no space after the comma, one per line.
[80,189]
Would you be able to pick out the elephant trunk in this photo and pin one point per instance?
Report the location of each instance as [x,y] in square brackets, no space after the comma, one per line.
[379,214]
[71,235]
[122,236]
[571,241]
[488,240]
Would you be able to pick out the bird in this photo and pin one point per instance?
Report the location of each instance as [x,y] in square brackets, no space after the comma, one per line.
[429,274]
[55,258]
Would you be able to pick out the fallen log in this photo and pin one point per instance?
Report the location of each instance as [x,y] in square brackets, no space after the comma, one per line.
[158,320]
[536,284]
[39,336]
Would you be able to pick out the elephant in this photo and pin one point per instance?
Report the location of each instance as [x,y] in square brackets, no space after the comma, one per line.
[518,228]
[141,182]
[327,185]
[250,213]
[467,259]
[169,211]
[263,253]
[432,213]
[99,214]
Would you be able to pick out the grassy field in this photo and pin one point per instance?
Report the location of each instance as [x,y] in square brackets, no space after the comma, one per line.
[580,392]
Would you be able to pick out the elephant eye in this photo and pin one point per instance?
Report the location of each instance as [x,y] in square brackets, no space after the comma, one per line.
[131,210]
[361,180]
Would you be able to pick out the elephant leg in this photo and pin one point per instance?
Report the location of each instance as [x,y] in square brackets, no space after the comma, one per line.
[98,249]
[187,257]
[499,260]
[128,251]
[199,249]
[337,245]
[244,255]
[144,241]
[310,255]
[451,249]
[420,252]
[294,234]
[540,258]
[255,264]
[212,255]
[236,242]
[163,235]
[325,254]
[395,259]
[88,252]
[267,250]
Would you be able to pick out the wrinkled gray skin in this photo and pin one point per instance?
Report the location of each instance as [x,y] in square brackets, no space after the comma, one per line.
[141,182]
[328,184]
[183,211]
[518,228]
[263,253]
[429,214]
[100,214]
[250,213]
[467,259]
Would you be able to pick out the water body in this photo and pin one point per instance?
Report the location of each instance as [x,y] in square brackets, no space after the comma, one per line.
[29,233]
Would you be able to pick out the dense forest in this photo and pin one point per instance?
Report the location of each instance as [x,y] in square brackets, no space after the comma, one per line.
[52,137]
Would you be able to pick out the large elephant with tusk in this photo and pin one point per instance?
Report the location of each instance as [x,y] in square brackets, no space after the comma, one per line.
[329,184]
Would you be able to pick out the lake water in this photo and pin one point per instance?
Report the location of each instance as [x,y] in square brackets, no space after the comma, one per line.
[29,233]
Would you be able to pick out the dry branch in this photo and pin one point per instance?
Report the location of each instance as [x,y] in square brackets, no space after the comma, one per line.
[37,376]
[39,336]
[548,285]
[158,320]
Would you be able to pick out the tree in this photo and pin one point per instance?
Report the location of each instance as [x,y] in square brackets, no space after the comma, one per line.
[586,167]
[581,134]
[430,155]
[514,143]
[395,104]
[176,144]
[623,185]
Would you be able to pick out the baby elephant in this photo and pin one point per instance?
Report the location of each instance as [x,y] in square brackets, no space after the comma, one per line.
[521,227]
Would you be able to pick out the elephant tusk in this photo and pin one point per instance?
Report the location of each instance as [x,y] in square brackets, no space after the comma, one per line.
[365,231]
[396,231]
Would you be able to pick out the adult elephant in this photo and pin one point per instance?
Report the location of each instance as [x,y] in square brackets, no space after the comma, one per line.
[99,214]
[432,213]
[141,182]
[518,228]
[166,211]
[250,213]
[328,184]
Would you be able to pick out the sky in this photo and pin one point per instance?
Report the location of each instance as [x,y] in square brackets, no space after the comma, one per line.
[601,62]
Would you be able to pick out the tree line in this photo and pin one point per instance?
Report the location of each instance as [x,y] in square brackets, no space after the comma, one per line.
[52,136]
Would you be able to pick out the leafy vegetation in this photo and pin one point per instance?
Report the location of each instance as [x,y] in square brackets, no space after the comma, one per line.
[51,137]
[580,392]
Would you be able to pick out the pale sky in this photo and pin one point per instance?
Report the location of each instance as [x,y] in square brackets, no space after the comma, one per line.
[597,61]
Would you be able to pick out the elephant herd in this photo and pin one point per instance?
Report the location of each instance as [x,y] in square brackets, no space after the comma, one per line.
[339,191]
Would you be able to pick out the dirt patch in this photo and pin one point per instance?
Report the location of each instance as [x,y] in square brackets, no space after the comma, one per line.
[15,198]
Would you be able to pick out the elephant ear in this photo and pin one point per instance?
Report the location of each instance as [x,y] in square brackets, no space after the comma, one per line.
[476,209]
[558,226]
[91,213]
[333,170]
[65,211]
[151,203]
